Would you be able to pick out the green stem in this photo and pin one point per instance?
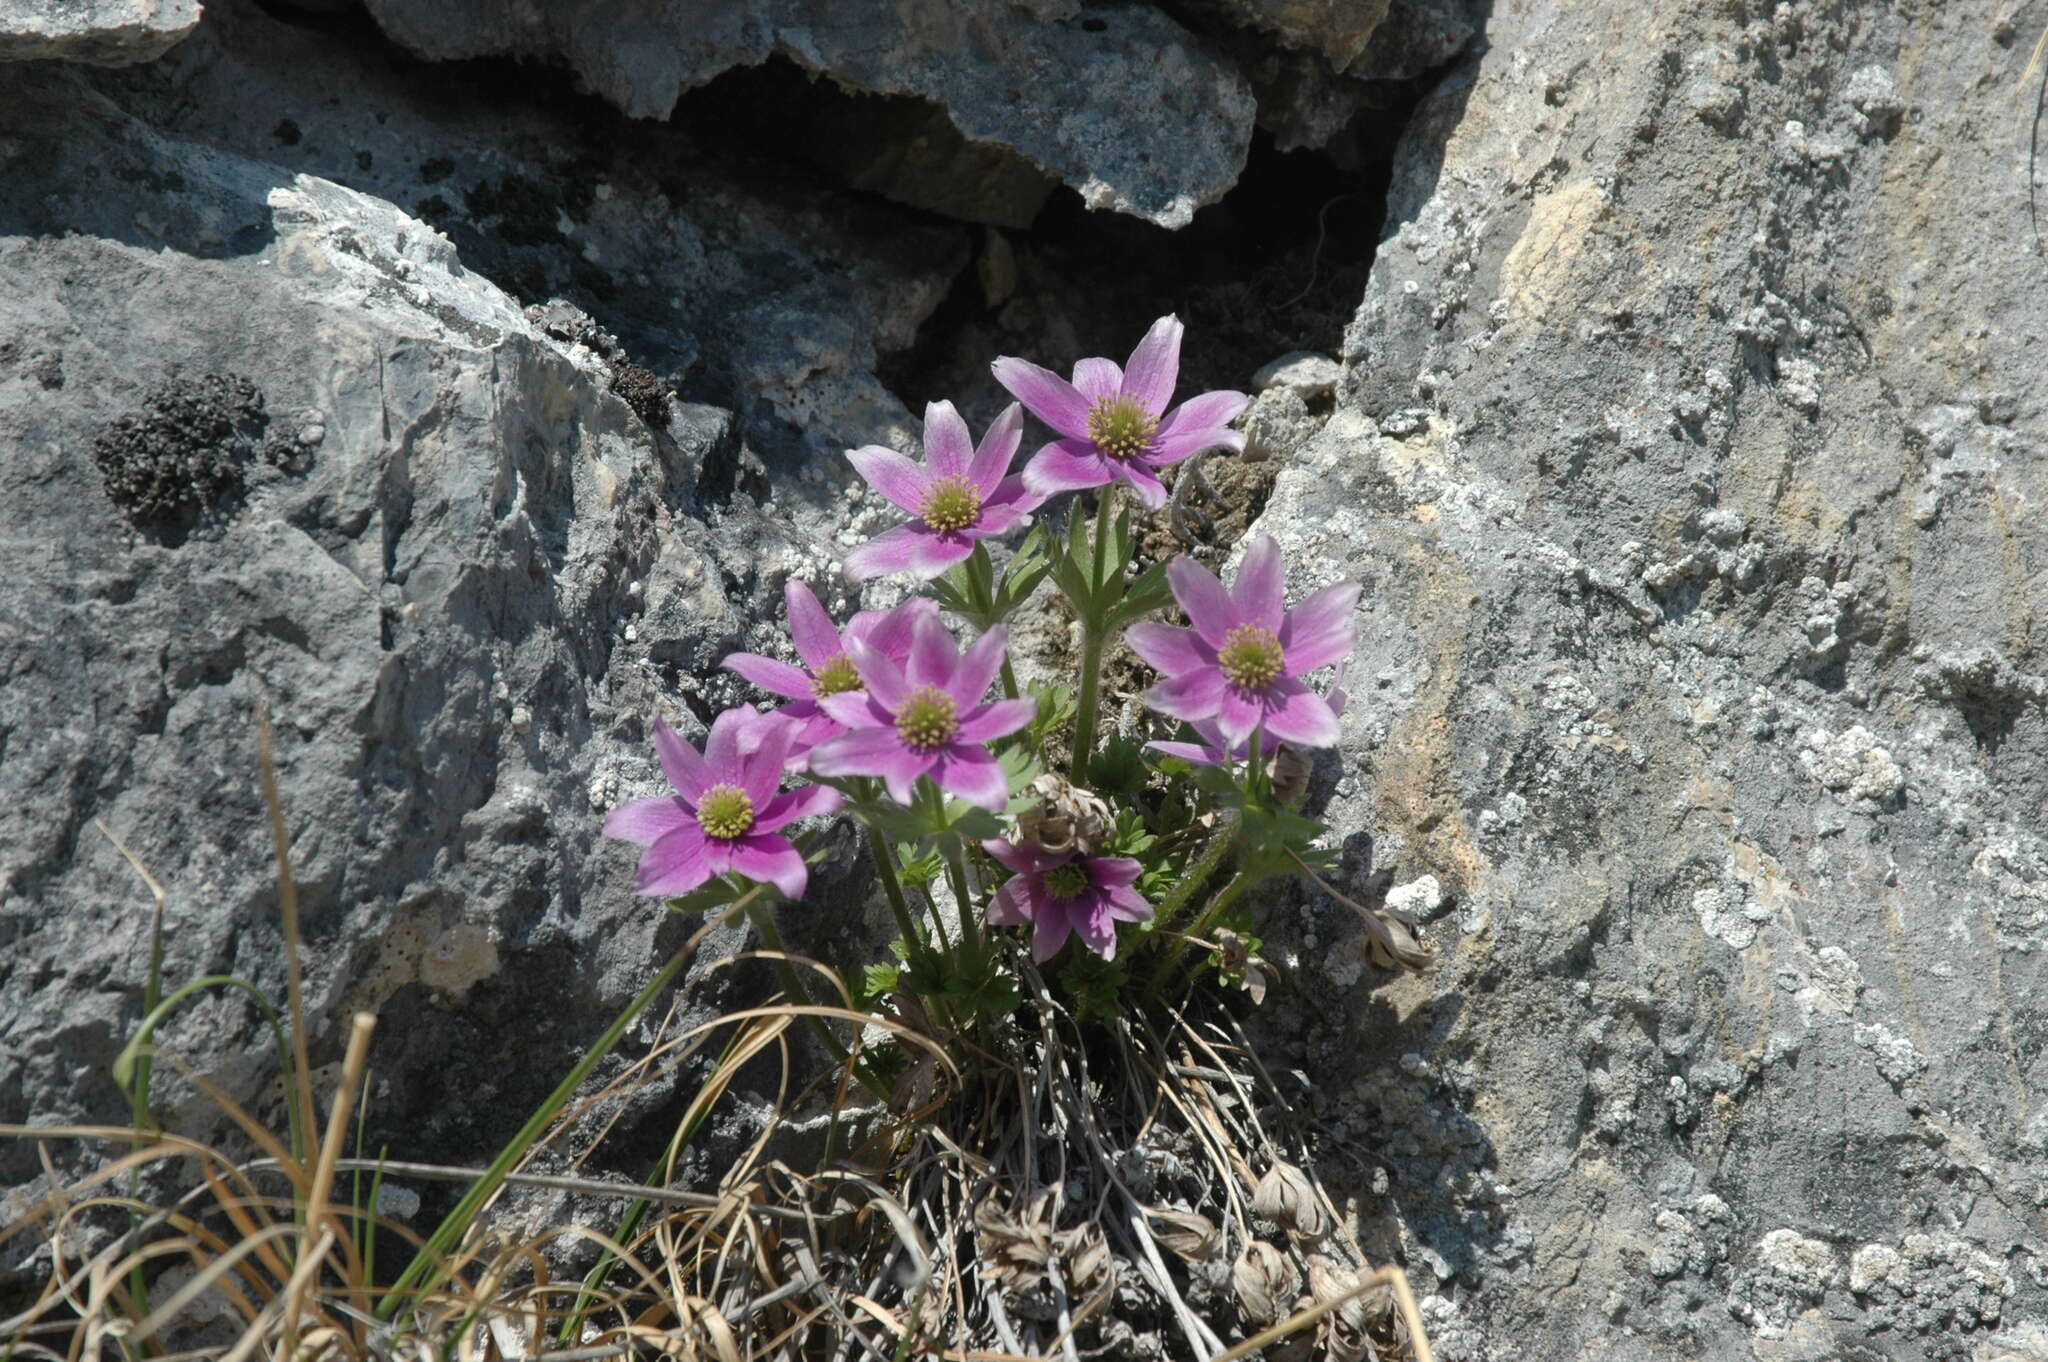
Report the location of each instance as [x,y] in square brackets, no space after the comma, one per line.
[1084,713]
[956,871]
[1010,691]
[1224,898]
[1198,873]
[892,889]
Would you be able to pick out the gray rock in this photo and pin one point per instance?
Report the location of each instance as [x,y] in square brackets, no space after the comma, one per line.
[1121,103]
[1303,371]
[99,32]
[1729,761]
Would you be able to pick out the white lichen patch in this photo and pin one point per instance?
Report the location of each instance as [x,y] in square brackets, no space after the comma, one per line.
[1929,1282]
[1852,765]
[1790,1274]
[1729,916]
[428,944]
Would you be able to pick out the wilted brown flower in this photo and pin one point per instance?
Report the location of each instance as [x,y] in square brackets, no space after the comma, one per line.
[1291,770]
[1084,1253]
[1265,1280]
[1192,1236]
[1064,818]
[1014,1249]
[1286,1195]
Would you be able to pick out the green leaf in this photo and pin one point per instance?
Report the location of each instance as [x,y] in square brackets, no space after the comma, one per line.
[1118,767]
[716,894]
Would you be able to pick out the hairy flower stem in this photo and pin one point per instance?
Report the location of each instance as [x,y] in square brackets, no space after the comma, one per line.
[892,889]
[1091,646]
[956,872]
[1009,680]
[1224,898]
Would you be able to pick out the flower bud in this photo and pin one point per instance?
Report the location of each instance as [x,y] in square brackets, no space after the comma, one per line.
[1265,1281]
[1286,1195]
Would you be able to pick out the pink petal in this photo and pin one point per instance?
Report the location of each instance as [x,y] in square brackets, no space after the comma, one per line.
[1127,905]
[1066,466]
[1012,857]
[1204,411]
[1238,715]
[933,656]
[998,449]
[855,710]
[1168,649]
[1051,933]
[674,865]
[1113,872]
[893,551]
[971,774]
[1318,631]
[1150,490]
[1096,929]
[761,770]
[1203,597]
[810,628]
[681,762]
[1006,909]
[1185,444]
[722,747]
[647,821]
[888,631]
[1295,714]
[998,719]
[948,446]
[1155,365]
[1191,695]
[932,552]
[771,860]
[1260,591]
[769,675]
[999,520]
[977,667]
[1049,397]
[806,802]
[859,752]
[1097,380]
[894,476]
[879,673]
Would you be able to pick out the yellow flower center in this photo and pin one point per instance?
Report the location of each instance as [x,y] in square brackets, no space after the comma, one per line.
[950,504]
[835,678]
[1068,881]
[928,719]
[1251,657]
[1121,427]
[725,812]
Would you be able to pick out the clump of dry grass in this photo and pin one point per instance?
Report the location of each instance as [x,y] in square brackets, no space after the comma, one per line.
[1070,1189]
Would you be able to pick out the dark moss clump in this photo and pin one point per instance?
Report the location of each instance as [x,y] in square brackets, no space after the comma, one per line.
[184,451]
[644,393]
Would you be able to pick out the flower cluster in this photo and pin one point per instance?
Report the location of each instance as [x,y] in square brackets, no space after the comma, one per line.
[943,756]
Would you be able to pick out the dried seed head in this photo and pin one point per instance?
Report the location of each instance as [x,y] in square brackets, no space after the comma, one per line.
[1330,1280]
[1285,1194]
[1014,1249]
[1291,770]
[1187,1234]
[1085,1255]
[1265,1281]
[1065,818]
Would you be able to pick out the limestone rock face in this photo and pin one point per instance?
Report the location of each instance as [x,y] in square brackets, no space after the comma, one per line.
[99,32]
[1685,448]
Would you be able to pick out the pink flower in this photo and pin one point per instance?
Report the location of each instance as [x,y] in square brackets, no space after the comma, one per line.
[827,669]
[1115,421]
[926,718]
[725,812]
[961,494]
[1213,751]
[1240,662]
[1065,894]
